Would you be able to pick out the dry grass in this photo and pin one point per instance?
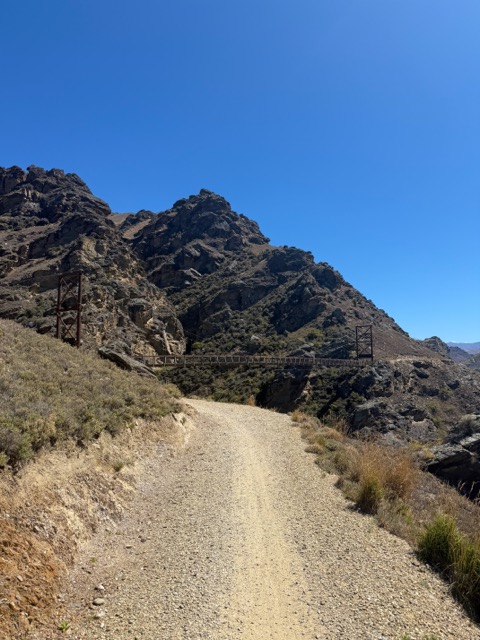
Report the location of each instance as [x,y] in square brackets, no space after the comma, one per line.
[250,401]
[301,417]
[389,484]
[51,392]
[382,474]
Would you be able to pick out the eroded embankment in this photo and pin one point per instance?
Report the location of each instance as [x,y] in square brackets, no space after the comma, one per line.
[57,502]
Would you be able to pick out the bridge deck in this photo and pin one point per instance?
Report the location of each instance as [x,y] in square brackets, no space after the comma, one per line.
[239,359]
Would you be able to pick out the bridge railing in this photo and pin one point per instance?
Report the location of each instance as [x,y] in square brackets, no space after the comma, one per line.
[239,359]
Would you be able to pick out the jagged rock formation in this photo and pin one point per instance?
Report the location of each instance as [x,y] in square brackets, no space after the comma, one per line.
[233,290]
[51,223]
[458,460]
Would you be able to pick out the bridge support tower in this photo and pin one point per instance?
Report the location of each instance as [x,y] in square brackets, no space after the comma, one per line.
[364,341]
[69,308]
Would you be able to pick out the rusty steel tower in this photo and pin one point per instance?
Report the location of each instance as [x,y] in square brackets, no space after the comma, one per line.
[69,308]
[364,341]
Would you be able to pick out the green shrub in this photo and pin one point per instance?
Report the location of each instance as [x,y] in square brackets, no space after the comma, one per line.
[15,446]
[370,494]
[439,543]
[456,556]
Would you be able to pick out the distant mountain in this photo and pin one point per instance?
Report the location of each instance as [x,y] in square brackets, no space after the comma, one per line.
[469,347]
[445,349]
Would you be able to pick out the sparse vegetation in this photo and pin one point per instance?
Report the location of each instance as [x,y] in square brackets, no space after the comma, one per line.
[50,392]
[389,484]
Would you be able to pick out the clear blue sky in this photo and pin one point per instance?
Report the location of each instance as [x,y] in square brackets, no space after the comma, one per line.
[350,128]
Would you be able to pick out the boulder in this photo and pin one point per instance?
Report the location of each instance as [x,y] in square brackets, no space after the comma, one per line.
[458,461]
[125,361]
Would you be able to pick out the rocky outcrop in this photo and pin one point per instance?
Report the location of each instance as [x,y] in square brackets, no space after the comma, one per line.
[118,356]
[458,460]
[454,353]
[193,238]
[228,283]
[50,223]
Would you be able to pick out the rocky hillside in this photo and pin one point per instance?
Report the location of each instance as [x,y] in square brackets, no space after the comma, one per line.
[234,291]
[50,222]
[200,277]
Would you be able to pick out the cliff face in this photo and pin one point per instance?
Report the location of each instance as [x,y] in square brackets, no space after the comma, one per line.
[51,223]
[203,278]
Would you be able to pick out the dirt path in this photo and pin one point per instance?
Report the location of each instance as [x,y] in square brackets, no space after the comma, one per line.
[268,589]
[242,537]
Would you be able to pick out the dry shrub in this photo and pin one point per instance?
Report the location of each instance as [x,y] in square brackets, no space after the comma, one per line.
[298,416]
[392,471]
[370,493]
[346,460]
[332,434]
[250,401]
[340,425]
[400,475]
[341,460]
[315,437]
[315,448]
[50,392]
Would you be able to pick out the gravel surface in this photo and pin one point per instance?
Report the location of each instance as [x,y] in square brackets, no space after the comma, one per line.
[242,536]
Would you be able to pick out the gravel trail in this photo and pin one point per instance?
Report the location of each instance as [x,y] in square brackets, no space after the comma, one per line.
[243,537]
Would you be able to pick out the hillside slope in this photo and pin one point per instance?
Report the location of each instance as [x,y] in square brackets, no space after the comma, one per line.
[234,291]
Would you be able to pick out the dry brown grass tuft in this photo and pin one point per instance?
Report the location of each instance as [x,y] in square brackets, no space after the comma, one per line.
[393,471]
[250,402]
[340,425]
[300,417]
